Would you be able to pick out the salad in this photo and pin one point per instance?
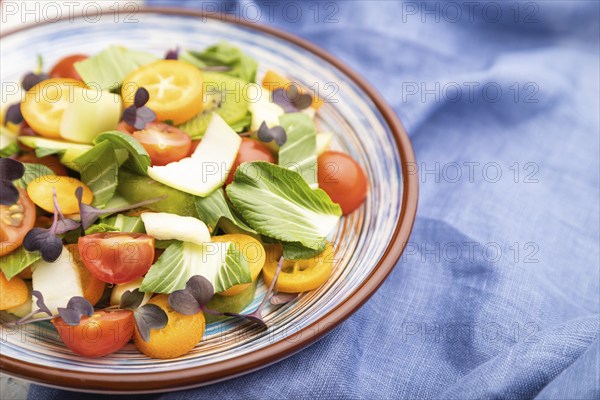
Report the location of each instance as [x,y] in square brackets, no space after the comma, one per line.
[144,197]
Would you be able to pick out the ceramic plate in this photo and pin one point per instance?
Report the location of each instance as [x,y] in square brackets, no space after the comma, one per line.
[368,242]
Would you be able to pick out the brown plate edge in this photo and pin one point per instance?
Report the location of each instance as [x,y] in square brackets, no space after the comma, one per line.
[222,370]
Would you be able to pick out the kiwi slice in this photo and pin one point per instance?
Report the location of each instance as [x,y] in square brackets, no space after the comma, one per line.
[224,95]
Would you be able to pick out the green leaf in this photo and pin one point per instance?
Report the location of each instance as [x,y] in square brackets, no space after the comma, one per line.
[12,264]
[296,251]
[8,142]
[139,160]
[214,208]
[221,263]
[124,223]
[74,235]
[224,54]
[163,244]
[278,203]
[99,171]
[32,173]
[299,153]
[100,228]
[107,69]
[46,151]
[10,150]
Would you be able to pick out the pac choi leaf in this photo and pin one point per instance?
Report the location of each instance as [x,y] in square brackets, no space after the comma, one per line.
[278,203]
[220,263]
[107,69]
[299,153]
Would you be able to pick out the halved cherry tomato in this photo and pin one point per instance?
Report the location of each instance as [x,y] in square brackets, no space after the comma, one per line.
[116,257]
[342,179]
[15,221]
[194,146]
[50,161]
[125,127]
[65,68]
[164,143]
[101,334]
[175,89]
[299,275]
[250,150]
[45,103]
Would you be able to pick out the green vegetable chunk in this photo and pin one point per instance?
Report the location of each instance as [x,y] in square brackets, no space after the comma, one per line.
[135,188]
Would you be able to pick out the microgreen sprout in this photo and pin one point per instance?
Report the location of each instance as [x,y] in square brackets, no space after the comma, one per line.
[13,114]
[90,214]
[172,54]
[291,99]
[147,317]
[276,133]
[47,240]
[77,307]
[138,115]
[283,298]
[41,308]
[10,170]
[35,77]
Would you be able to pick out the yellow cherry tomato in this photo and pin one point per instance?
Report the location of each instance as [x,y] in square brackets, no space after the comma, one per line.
[252,251]
[181,334]
[13,293]
[175,89]
[40,192]
[45,103]
[298,276]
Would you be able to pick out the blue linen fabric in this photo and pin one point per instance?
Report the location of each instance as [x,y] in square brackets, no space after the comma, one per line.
[497,294]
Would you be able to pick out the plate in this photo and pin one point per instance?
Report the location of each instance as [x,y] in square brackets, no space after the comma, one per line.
[368,243]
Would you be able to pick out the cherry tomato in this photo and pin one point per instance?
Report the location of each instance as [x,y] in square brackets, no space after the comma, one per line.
[26,130]
[194,146]
[250,150]
[125,127]
[65,68]
[51,162]
[15,221]
[164,143]
[101,334]
[342,179]
[298,276]
[117,257]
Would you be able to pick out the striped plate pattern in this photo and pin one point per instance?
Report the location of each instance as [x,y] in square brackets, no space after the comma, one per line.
[359,128]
